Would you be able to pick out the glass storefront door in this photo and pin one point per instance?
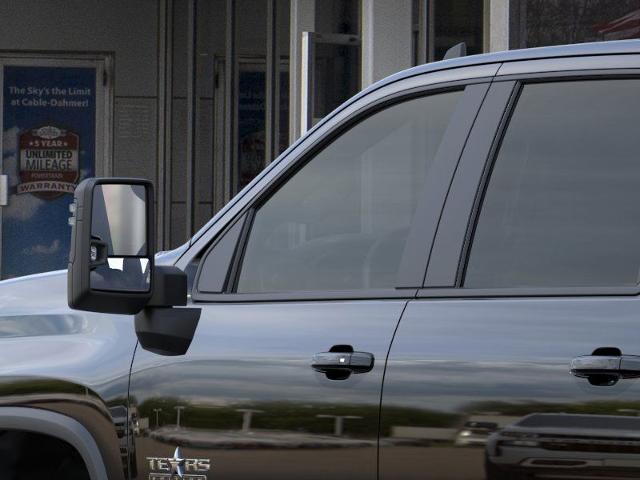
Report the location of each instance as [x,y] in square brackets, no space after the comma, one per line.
[332,66]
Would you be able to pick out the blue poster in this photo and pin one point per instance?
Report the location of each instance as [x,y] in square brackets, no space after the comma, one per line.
[49,145]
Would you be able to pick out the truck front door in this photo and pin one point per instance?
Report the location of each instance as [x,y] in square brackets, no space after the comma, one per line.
[311,266]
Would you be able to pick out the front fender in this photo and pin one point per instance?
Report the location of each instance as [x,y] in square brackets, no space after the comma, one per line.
[71,363]
[67,411]
[59,426]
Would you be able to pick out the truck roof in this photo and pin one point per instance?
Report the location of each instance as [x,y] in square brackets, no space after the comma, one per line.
[619,47]
[559,51]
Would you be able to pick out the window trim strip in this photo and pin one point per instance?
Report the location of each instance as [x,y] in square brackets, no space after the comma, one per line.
[415,257]
[449,241]
[307,296]
[469,293]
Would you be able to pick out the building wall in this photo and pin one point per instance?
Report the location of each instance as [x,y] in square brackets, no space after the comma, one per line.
[386,38]
[131,32]
[211,35]
[127,30]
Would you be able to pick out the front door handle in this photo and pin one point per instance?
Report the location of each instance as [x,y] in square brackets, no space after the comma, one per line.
[605,366]
[354,362]
[341,361]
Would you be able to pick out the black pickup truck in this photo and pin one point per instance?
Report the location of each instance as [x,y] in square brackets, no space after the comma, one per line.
[456,246]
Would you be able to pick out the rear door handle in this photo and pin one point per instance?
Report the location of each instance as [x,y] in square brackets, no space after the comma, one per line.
[606,366]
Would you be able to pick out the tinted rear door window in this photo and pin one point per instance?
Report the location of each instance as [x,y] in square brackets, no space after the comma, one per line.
[562,207]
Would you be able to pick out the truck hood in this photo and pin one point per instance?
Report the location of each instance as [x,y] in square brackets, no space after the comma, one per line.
[42,292]
[40,336]
[47,292]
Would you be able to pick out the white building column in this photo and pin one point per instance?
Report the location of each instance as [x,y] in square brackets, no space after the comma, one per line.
[386,38]
[498,25]
[303,19]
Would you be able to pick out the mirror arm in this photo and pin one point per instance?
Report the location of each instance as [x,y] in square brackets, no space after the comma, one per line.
[160,328]
[165,330]
[169,287]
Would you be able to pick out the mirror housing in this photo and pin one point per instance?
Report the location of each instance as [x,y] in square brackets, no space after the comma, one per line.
[111,264]
[112,246]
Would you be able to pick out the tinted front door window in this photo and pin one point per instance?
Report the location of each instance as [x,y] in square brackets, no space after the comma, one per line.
[563,204]
[342,221]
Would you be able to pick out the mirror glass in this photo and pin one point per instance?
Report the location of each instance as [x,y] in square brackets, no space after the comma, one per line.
[119,219]
[119,250]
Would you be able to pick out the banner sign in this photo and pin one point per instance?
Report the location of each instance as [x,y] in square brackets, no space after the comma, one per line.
[49,144]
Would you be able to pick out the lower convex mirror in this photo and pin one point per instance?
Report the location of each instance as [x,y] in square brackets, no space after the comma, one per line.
[111,258]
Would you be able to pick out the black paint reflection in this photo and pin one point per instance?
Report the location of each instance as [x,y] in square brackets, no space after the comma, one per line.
[246,398]
[582,446]
[489,384]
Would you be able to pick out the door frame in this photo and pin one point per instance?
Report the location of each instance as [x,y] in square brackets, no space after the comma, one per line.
[475,83]
[445,270]
[104,65]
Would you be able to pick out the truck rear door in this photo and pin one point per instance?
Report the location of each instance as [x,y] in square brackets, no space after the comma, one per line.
[517,359]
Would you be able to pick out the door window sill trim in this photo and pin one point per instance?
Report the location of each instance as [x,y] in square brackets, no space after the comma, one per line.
[435,292]
[373,294]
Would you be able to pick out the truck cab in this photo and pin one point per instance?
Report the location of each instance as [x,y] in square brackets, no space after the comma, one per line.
[457,241]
